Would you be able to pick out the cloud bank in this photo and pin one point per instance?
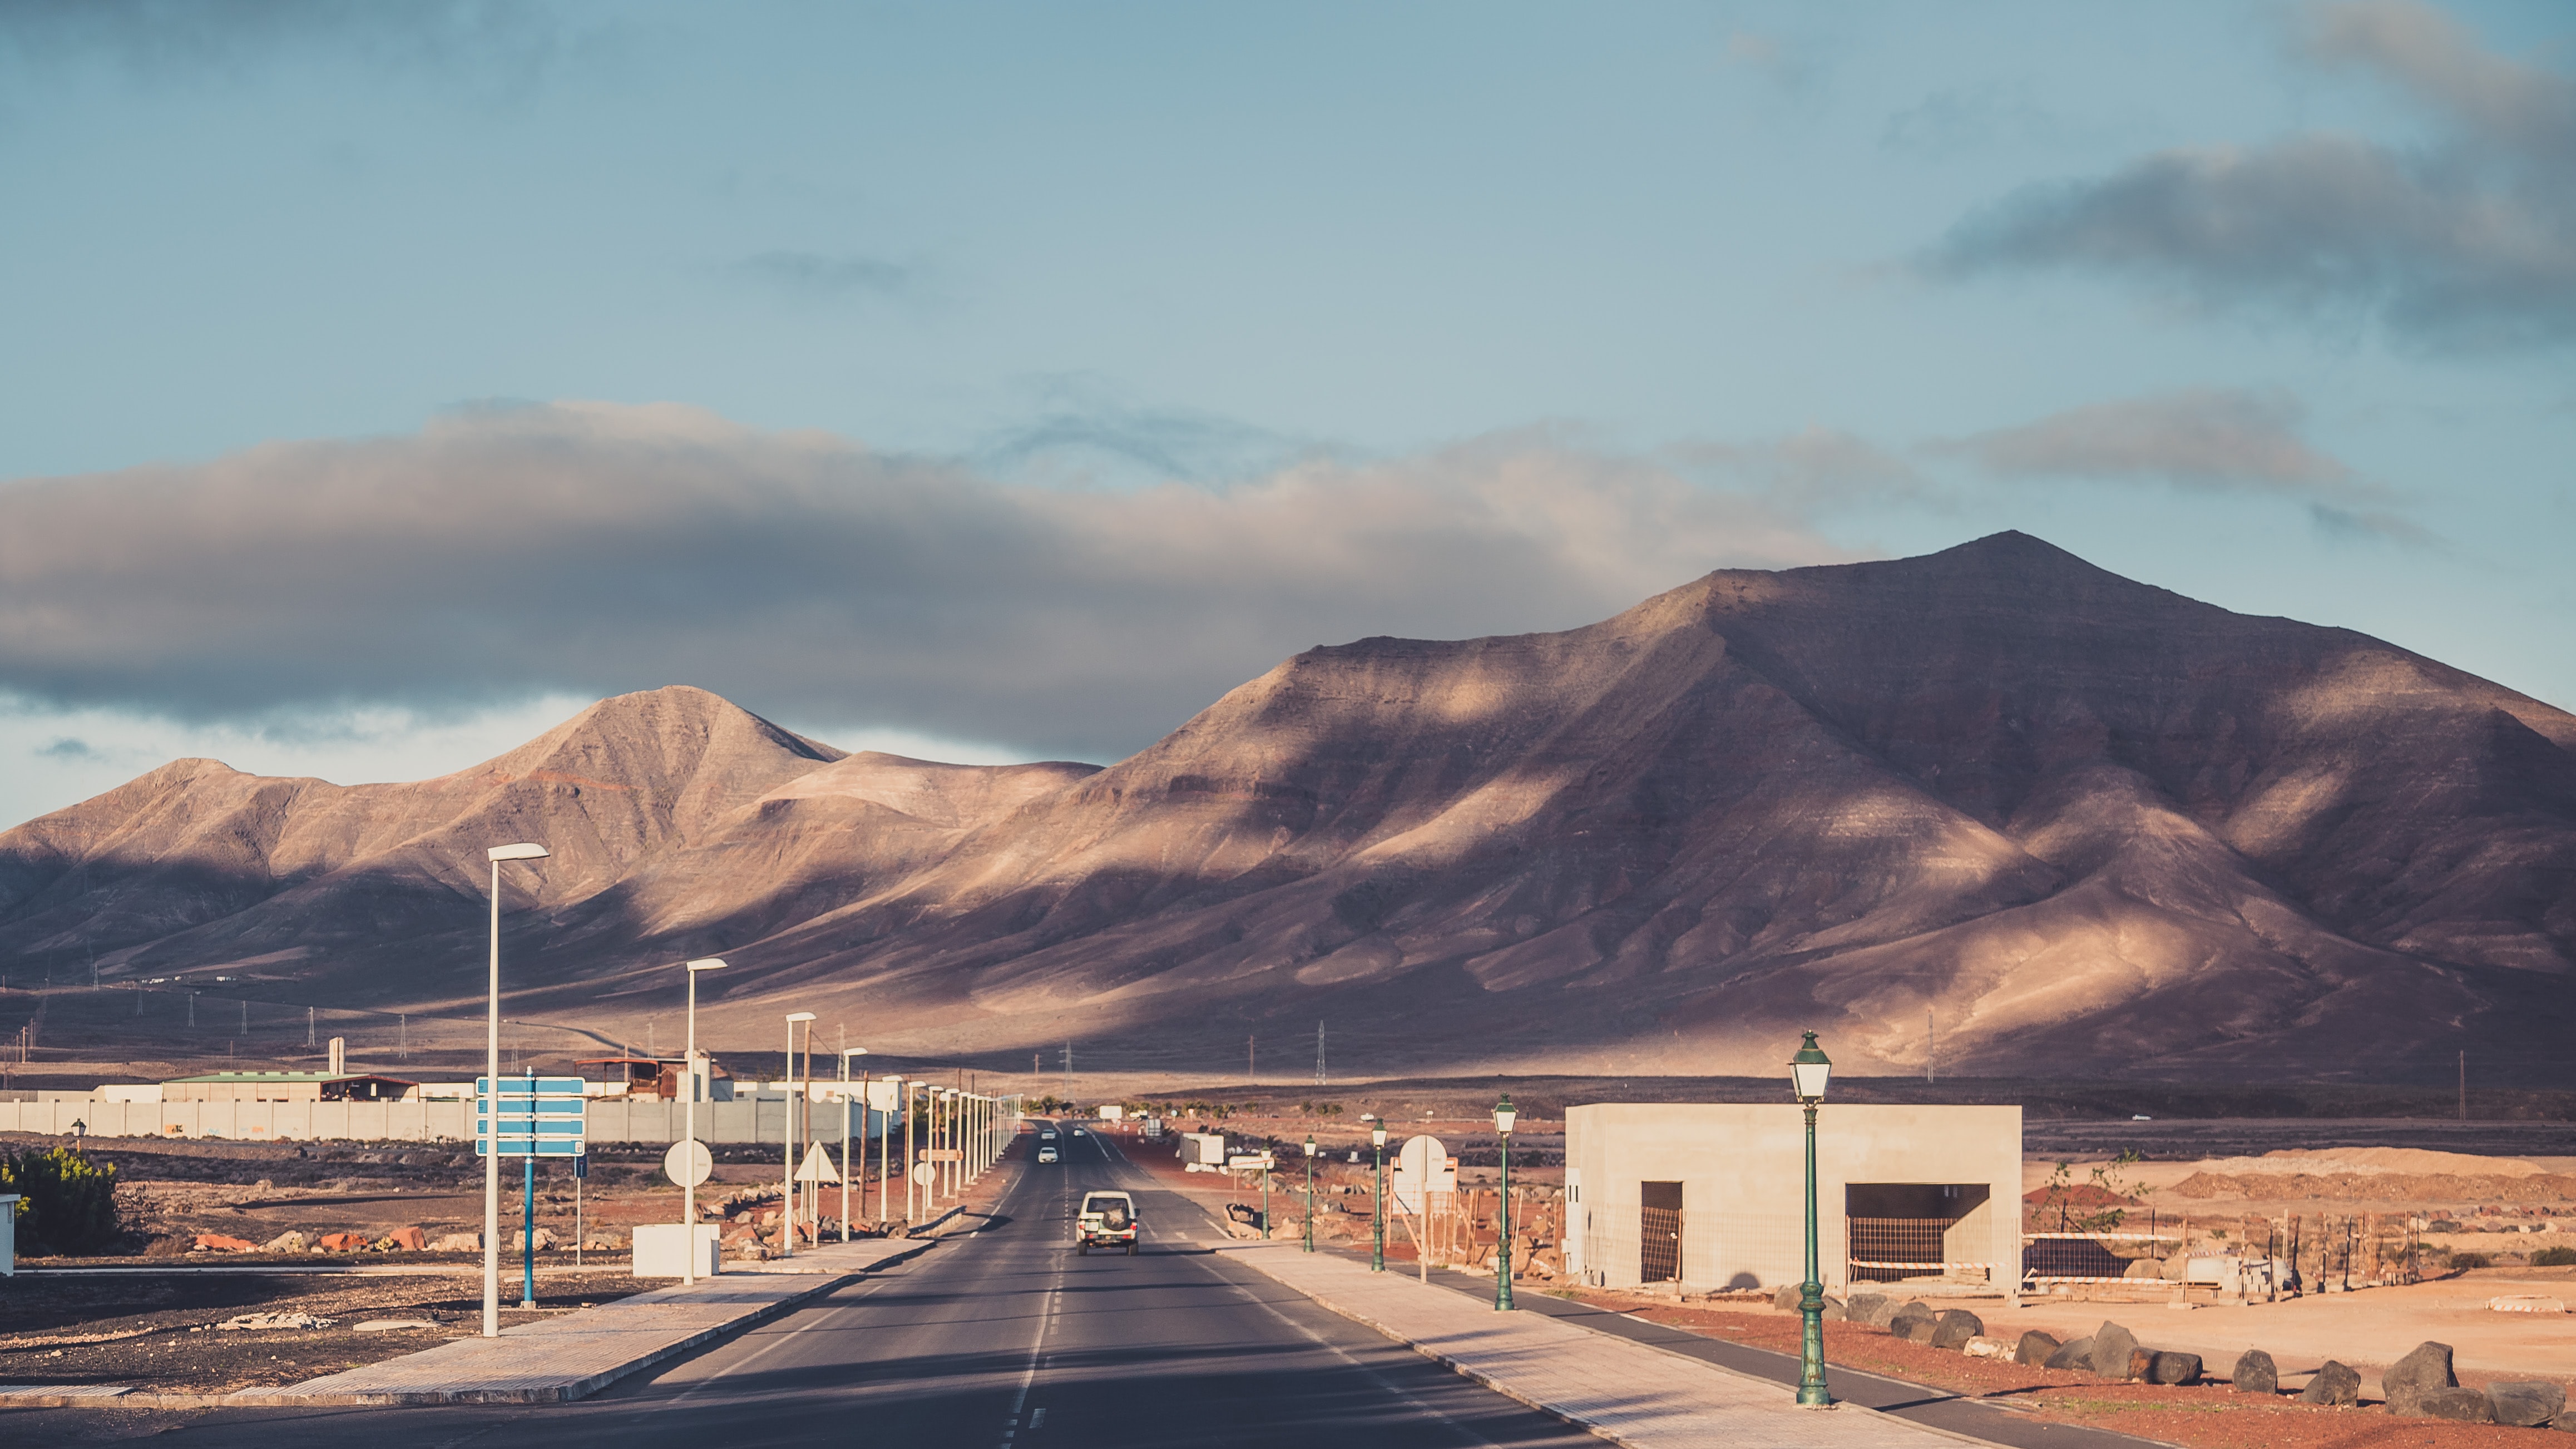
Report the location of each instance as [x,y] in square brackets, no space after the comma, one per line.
[2466,242]
[595,548]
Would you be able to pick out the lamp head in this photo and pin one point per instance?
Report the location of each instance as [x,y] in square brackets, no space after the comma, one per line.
[800,1016]
[707,963]
[1377,1135]
[1808,1071]
[1504,1115]
[1310,1145]
[524,850]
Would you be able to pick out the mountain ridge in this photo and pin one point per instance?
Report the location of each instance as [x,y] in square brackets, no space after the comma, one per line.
[2076,819]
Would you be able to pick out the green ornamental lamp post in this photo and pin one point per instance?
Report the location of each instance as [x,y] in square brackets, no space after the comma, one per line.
[1377,1152]
[1310,1192]
[1807,1073]
[1504,1116]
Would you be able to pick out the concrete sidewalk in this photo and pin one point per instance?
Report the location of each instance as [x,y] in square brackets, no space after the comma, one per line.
[1626,1392]
[550,1361]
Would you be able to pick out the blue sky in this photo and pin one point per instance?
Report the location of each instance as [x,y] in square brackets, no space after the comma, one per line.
[380,382]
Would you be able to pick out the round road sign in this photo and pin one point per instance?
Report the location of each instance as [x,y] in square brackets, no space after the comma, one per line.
[688,1163]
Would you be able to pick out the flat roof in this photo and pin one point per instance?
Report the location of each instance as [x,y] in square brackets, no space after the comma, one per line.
[290,1077]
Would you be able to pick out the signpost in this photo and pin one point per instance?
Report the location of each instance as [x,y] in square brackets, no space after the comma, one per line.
[529,1117]
[1422,1167]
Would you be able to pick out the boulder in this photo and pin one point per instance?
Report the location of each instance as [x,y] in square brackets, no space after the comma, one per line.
[344,1242]
[1873,1309]
[2113,1348]
[2332,1384]
[2167,1367]
[1953,1329]
[2256,1373]
[1834,1312]
[218,1243]
[1913,1321]
[2528,1403]
[2425,1368]
[1785,1297]
[1994,1348]
[2074,1353]
[458,1243]
[289,1241]
[407,1239]
[2468,1406]
[2035,1348]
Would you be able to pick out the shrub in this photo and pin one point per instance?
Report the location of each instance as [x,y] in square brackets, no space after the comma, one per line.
[67,1203]
[2554,1258]
[2471,1260]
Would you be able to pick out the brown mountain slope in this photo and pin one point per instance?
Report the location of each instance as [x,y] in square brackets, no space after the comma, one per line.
[2081,823]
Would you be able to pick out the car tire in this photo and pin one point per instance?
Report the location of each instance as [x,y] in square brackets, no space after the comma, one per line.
[1131,1249]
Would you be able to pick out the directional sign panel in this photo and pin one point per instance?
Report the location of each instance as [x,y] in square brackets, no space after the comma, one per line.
[533,1116]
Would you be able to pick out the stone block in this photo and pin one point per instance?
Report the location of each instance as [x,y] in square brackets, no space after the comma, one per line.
[2074,1353]
[345,1242]
[220,1243]
[1913,1321]
[2256,1373]
[1953,1329]
[2425,1367]
[289,1241]
[2333,1383]
[2167,1367]
[2114,1348]
[1834,1311]
[2468,1406]
[1873,1309]
[2035,1348]
[2527,1403]
[1785,1297]
[408,1239]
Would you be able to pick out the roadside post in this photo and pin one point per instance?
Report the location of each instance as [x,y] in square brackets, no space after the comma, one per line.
[687,1175]
[787,1134]
[1808,1071]
[1422,1167]
[580,1175]
[846,1054]
[1377,1213]
[1310,1192]
[1504,1116]
[491,1071]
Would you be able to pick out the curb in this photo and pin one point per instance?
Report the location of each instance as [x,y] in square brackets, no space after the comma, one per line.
[560,1393]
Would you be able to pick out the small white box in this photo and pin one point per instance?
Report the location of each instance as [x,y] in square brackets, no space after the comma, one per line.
[659,1252]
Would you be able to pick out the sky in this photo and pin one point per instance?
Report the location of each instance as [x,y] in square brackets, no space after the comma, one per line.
[381,383]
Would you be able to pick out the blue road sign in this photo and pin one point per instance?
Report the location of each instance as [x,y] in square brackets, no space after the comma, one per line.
[533,1116]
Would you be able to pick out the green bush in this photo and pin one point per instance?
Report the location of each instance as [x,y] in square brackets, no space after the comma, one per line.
[2471,1260]
[67,1203]
[2554,1258]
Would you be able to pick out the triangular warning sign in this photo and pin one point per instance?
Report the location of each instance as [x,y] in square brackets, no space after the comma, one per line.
[818,1167]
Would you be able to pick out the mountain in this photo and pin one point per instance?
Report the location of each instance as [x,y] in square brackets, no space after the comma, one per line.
[1992,804]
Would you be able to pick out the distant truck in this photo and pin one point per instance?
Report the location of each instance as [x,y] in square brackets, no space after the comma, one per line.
[1202,1152]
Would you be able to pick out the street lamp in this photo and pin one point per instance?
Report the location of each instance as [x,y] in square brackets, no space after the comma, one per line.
[689,1155]
[1377,1154]
[787,1130]
[1504,1116]
[1310,1192]
[492,1097]
[846,1054]
[1807,1073]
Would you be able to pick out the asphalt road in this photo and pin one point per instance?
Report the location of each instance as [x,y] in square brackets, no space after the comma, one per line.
[1006,1340]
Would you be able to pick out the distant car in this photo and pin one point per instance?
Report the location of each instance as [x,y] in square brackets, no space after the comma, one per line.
[1076,1131]
[1046,1154]
[1107,1220]
[1046,1136]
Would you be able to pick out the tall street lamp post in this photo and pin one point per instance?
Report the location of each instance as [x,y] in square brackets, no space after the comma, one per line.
[1377,1154]
[787,1131]
[846,1054]
[1807,1073]
[698,1076]
[1310,1192]
[492,1097]
[1504,1116]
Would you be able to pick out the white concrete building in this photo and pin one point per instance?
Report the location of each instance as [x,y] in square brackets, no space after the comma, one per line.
[1712,1196]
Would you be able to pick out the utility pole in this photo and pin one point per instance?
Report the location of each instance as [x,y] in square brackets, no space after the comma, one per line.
[1068,1066]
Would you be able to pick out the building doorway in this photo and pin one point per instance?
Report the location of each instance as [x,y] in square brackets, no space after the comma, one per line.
[1659,1232]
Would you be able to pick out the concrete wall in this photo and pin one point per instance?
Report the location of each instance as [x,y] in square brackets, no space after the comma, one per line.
[608,1119]
[1742,1170]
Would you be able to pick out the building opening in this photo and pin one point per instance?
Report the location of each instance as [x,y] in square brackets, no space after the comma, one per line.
[1916,1230]
[1659,1232]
